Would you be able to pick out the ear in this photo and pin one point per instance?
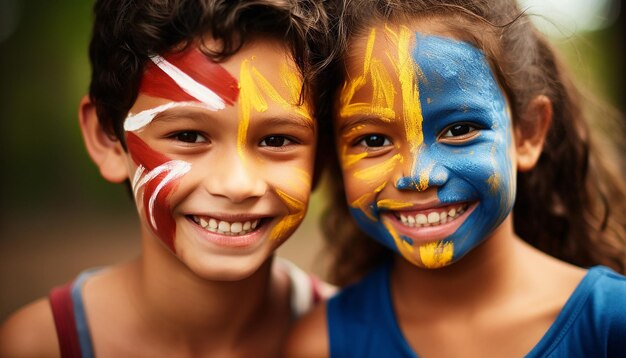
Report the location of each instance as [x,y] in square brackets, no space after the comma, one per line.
[529,140]
[106,152]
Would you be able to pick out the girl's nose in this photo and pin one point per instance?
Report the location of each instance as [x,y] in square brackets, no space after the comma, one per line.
[423,173]
[235,179]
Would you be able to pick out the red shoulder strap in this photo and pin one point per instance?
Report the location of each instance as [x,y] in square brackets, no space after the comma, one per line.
[316,290]
[63,313]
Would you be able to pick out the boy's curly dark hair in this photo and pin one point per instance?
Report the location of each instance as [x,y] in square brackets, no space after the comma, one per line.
[572,205]
[127,32]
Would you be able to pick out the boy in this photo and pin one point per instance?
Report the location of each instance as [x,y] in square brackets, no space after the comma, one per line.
[199,106]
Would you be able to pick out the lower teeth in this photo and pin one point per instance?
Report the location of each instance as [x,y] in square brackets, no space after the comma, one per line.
[228,233]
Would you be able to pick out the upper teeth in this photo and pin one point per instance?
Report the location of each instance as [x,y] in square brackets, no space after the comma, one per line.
[225,227]
[433,218]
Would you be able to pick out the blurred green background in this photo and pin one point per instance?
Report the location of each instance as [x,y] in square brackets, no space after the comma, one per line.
[58,216]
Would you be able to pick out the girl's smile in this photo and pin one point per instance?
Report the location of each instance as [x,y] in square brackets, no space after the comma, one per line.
[428,225]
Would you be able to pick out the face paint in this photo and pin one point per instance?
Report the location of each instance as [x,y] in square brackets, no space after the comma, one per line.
[190,71]
[189,79]
[158,176]
[445,86]
[256,93]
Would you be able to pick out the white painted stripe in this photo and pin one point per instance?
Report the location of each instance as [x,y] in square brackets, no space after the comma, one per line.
[137,121]
[188,84]
[147,177]
[136,177]
[178,168]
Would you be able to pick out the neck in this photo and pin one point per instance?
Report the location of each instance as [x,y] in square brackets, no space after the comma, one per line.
[183,304]
[486,273]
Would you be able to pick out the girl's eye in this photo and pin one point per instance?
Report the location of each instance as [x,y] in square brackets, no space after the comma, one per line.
[190,137]
[462,130]
[374,141]
[275,141]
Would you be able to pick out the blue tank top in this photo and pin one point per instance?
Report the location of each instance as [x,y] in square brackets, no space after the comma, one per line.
[362,323]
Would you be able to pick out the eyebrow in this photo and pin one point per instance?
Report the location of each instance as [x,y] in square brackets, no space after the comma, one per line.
[179,113]
[355,121]
[198,115]
[291,120]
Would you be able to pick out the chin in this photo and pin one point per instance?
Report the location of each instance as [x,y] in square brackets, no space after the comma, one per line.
[224,267]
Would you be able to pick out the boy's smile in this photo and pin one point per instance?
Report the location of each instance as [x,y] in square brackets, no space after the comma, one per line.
[425,143]
[222,155]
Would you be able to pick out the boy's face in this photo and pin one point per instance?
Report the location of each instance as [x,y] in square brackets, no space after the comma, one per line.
[222,156]
[425,143]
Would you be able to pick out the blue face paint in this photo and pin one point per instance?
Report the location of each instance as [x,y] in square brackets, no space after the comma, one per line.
[456,87]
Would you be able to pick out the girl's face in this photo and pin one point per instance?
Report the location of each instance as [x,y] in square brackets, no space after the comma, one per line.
[425,144]
[222,156]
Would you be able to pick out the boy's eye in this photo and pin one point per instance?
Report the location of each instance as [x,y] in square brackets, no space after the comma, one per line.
[190,137]
[460,131]
[275,141]
[374,141]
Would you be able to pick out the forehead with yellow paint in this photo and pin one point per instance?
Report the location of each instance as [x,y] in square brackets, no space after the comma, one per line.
[424,138]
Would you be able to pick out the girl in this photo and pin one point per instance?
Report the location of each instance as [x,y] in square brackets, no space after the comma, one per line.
[465,153]
[198,104]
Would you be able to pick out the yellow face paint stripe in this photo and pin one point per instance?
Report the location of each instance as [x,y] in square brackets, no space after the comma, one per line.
[424,175]
[254,88]
[379,171]
[390,204]
[406,250]
[383,95]
[347,160]
[293,82]
[436,254]
[386,114]
[350,87]
[412,110]
[248,97]
[362,203]
[303,176]
[268,90]
[296,209]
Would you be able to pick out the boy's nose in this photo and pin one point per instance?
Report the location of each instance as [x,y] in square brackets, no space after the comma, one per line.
[234,179]
[421,174]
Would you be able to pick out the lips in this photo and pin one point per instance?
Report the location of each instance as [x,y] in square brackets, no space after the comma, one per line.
[430,224]
[230,232]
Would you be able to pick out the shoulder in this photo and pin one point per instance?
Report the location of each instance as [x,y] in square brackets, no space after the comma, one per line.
[309,336]
[305,289]
[607,290]
[30,332]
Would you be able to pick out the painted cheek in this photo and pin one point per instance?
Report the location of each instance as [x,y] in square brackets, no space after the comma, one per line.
[293,190]
[158,176]
[296,211]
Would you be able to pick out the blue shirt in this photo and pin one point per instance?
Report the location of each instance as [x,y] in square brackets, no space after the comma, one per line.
[361,320]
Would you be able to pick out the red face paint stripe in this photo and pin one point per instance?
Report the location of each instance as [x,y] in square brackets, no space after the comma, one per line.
[199,67]
[157,83]
[142,153]
[166,226]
